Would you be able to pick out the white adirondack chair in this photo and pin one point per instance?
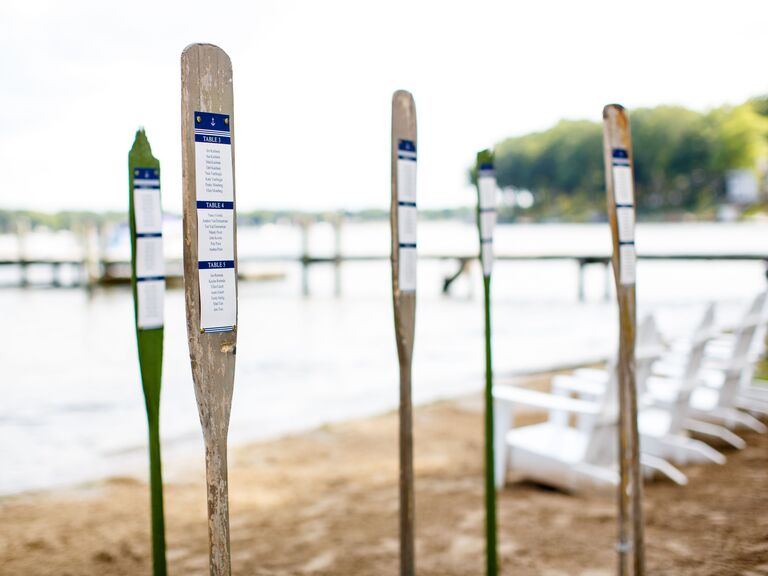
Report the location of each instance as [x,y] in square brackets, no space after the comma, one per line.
[553,453]
[661,424]
[725,397]
[753,392]
[675,360]
[757,308]
[590,383]
[747,395]
[650,344]
[753,395]
[664,422]
[721,393]
[648,333]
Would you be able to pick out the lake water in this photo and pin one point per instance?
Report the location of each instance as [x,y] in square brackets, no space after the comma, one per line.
[72,407]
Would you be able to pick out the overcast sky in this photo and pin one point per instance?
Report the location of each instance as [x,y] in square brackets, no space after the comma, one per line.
[314,79]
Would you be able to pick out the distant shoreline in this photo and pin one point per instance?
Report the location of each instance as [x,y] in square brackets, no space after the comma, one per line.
[11,220]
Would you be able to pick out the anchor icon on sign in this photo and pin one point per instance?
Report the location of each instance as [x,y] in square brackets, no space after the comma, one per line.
[213,122]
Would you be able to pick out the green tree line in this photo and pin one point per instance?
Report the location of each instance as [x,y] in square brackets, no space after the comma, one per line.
[681,158]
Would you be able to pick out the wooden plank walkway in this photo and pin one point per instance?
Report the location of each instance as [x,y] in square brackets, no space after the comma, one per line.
[118,271]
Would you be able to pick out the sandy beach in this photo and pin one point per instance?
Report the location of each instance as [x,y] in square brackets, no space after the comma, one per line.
[325,503]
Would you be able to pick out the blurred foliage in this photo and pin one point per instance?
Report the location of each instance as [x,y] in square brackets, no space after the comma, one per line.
[10,220]
[760,104]
[681,157]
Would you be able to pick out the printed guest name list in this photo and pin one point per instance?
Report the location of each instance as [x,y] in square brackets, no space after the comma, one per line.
[150,263]
[486,183]
[624,199]
[406,215]
[215,222]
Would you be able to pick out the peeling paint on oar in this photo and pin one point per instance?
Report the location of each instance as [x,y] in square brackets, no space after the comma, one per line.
[403,215]
[210,267]
[617,150]
[486,221]
[145,217]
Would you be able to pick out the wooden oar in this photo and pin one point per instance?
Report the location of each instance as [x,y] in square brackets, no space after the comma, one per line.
[210,267]
[403,221]
[486,221]
[145,217]
[617,149]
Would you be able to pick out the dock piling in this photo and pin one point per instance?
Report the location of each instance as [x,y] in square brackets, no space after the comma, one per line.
[304,224]
[337,222]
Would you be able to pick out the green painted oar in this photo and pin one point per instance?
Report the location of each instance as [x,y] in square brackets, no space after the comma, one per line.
[617,152]
[486,221]
[403,217]
[210,267]
[148,283]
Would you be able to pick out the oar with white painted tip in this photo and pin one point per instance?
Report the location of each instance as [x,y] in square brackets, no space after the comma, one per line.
[486,221]
[145,217]
[617,151]
[210,267]
[403,221]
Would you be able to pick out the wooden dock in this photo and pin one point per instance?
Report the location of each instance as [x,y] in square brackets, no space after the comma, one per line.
[110,272]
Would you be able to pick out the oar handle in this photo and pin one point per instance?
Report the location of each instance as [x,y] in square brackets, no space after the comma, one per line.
[407,504]
[218,507]
[156,492]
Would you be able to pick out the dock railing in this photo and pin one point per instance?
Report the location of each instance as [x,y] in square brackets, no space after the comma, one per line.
[94,268]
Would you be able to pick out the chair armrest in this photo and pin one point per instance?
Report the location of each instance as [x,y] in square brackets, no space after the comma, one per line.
[579,386]
[522,396]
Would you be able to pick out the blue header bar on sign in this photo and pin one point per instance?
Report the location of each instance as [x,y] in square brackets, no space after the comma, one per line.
[146,179]
[146,173]
[212,128]
[486,171]
[215,264]
[406,150]
[214,205]
[211,121]
[620,153]
[620,157]
[212,138]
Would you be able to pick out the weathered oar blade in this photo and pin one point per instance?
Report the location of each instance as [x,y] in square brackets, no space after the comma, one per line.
[403,220]
[210,266]
[145,217]
[617,149]
[486,221]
